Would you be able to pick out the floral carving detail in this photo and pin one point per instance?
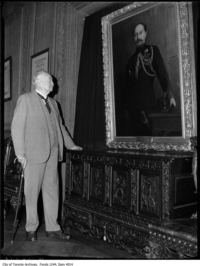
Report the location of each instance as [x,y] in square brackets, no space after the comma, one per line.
[77,173]
[165,188]
[108,170]
[134,190]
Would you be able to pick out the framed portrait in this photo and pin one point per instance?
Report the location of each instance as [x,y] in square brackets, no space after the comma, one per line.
[149,76]
[39,62]
[8,79]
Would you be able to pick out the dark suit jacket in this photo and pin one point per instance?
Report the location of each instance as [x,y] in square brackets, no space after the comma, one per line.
[140,91]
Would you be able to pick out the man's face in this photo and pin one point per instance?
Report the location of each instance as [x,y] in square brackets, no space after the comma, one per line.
[140,35]
[46,83]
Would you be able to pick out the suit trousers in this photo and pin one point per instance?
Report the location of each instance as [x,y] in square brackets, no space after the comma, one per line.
[42,176]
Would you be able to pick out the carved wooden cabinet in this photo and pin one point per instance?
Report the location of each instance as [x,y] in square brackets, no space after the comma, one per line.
[119,196]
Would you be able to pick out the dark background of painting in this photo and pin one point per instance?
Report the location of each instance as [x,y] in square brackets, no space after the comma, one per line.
[162,26]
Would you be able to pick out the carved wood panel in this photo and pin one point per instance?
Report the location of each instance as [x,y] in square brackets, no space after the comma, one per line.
[108,193]
[97,182]
[77,179]
[121,188]
[134,191]
[150,200]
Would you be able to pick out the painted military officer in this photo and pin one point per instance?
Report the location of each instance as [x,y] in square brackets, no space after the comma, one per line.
[142,68]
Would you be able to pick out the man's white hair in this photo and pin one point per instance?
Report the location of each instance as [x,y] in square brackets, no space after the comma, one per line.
[37,78]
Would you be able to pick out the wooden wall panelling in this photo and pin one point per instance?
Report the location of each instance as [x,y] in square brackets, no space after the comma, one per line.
[65,58]
[53,51]
[72,38]
[19,29]
[65,74]
[12,43]
[27,45]
[59,47]
[21,56]
[44,27]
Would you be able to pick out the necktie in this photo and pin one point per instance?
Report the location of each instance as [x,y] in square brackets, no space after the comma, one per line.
[46,103]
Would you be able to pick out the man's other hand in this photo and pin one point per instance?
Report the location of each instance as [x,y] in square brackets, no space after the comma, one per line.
[22,160]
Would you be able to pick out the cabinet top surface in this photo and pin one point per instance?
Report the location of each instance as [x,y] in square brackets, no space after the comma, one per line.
[122,153]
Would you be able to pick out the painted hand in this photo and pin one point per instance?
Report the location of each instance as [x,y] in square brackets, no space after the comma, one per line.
[172,102]
[76,148]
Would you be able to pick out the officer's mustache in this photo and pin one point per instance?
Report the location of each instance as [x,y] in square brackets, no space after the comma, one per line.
[139,40]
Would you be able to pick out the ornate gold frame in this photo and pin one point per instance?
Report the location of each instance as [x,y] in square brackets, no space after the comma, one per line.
[187,81]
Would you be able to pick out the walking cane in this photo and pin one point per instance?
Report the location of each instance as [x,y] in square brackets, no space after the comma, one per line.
[19,204]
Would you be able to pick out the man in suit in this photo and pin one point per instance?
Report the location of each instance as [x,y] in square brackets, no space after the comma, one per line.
[38,137]
[143,66]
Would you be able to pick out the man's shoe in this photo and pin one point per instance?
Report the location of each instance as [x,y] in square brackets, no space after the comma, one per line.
[31,236]
[58,235]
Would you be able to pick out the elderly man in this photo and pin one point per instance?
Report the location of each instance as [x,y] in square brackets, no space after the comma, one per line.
[143,66]
[38,136]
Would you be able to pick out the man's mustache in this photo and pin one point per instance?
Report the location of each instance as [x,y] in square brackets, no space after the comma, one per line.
[139,40]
